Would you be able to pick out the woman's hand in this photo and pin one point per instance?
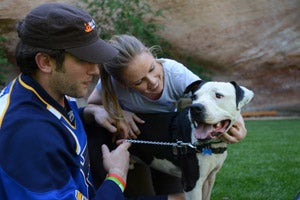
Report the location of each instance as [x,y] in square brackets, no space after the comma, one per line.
[131,119]
[236,133]
[127,126]
[99,114]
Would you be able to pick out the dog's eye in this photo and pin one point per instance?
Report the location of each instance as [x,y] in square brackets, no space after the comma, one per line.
[194,97]
[219,96]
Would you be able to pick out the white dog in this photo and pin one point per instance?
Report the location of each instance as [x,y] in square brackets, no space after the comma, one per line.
[215,107]
[185,143]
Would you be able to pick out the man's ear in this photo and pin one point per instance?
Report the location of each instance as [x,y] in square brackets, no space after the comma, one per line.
[44,62]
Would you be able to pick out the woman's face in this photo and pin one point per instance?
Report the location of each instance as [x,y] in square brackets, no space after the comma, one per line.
[145,75]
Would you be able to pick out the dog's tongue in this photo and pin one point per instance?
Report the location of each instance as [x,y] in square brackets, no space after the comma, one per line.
[206,131]
[203,131]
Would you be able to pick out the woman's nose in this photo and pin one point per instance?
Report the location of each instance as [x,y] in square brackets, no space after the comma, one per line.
[151,81]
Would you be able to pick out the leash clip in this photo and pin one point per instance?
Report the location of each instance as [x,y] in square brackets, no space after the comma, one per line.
[181,148]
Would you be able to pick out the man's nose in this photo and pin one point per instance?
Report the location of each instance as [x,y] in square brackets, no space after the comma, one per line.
[93,69]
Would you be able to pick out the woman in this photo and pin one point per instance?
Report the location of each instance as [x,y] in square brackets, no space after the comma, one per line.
[136,82]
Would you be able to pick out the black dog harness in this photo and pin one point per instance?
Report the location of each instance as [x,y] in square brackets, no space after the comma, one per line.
[184,152]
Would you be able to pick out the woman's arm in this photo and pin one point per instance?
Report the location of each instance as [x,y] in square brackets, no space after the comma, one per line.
[236,133]
[95,111]
[95,97]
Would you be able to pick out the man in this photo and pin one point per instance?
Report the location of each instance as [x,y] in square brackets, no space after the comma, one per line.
[43,149]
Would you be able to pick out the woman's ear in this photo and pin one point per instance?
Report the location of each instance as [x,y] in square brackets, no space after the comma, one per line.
[44,62]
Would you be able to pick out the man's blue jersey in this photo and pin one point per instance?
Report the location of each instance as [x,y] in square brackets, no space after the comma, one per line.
[43,147]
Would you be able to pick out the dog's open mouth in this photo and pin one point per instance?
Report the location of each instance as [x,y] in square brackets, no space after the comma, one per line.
[208,131]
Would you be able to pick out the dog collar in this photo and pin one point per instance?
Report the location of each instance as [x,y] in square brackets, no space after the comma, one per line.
[182,148]
[207,149]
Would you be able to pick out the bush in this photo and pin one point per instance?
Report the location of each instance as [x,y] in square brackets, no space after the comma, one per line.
[3,61]
[136,17]
[127,17]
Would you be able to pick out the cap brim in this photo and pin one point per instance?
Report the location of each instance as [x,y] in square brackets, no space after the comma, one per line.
[97,52]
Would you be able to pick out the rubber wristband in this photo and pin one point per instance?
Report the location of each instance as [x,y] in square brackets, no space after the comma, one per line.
[118,180]
[118,177]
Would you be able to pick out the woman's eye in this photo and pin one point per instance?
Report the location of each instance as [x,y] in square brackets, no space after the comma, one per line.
[152,68]
[138,83]
[219,96]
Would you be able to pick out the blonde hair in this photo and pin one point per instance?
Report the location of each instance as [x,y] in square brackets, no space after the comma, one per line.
[129,47]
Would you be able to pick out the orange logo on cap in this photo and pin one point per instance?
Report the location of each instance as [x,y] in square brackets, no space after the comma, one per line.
[89,26]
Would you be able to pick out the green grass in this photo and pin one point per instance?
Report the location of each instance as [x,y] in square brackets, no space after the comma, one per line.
[265,165]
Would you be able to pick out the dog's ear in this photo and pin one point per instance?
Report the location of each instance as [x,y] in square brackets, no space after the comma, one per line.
[243,95]
[193,86]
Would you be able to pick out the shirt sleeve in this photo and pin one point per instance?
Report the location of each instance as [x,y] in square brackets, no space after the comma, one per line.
[178,78]
[109,191]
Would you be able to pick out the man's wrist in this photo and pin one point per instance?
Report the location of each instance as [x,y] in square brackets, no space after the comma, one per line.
[117,179]
[119,172]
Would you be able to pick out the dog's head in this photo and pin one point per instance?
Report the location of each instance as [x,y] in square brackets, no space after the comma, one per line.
[215,107]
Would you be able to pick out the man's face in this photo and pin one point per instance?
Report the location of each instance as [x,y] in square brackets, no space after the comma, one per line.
[74,78]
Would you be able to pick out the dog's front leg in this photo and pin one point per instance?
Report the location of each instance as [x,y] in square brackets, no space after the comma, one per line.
[195,194]
[209,165]
[209,168]
[208,184]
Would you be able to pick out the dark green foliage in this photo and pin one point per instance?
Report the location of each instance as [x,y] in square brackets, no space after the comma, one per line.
[3,61]
[127,17]
[136,17]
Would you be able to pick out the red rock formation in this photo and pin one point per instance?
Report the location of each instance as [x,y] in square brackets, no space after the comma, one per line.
[256,43]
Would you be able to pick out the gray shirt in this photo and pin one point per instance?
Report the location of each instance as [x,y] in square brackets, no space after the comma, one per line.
[176,78]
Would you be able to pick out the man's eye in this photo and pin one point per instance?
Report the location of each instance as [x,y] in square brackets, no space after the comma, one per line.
[219,95]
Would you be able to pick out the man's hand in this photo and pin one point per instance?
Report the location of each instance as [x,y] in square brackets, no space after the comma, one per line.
[117,161]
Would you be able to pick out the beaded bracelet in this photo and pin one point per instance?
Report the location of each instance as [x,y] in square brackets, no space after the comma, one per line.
[117,179]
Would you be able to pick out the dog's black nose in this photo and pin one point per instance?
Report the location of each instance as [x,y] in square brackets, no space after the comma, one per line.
[197,112]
